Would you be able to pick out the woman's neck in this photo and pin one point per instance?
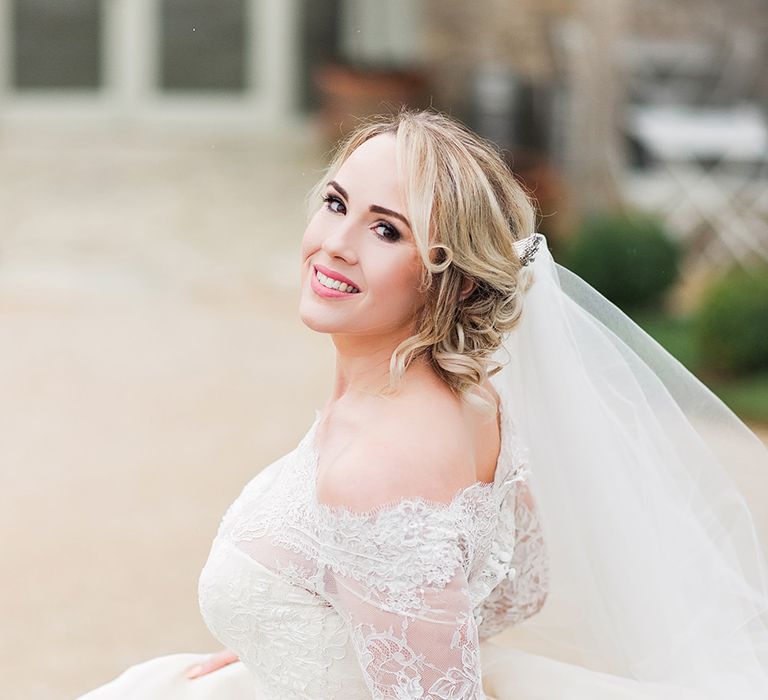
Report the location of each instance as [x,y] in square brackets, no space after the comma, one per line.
[360,375]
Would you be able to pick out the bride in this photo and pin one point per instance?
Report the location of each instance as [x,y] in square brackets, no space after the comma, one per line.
[501,448]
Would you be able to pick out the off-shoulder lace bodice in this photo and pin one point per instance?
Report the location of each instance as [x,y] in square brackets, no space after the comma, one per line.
[325,602]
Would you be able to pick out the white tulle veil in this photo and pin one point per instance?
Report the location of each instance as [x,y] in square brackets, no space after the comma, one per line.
[657,572]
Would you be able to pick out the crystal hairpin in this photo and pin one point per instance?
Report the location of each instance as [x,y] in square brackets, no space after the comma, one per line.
[526,248]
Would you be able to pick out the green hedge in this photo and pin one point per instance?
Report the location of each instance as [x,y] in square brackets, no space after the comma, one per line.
[746,395]
[629,258]
[732,322]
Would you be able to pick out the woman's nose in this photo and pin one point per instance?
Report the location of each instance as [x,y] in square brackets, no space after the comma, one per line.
[340,242]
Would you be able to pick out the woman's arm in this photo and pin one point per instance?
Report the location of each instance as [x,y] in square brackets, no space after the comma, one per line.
[213,663]
[394,570]
[523,594]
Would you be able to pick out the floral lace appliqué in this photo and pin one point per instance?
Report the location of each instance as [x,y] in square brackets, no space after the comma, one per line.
[398,597]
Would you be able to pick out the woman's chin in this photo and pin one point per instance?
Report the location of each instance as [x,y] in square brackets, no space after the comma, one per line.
[318,322]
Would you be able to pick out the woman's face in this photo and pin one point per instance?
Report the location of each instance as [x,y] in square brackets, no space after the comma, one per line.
[360,235]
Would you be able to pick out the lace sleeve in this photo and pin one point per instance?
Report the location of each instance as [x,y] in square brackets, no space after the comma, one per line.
[397,578]
[523,593]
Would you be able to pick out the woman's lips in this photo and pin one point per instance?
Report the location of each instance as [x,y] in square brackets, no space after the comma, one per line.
[336,276]
[324,291]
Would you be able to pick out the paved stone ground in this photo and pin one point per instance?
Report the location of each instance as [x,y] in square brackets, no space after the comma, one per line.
[151,362]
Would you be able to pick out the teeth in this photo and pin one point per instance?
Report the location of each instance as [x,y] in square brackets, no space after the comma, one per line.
[336,284]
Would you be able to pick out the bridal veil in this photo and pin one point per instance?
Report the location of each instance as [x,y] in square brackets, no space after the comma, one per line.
[657,571]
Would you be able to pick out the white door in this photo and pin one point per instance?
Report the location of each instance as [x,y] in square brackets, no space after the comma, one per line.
[210,62]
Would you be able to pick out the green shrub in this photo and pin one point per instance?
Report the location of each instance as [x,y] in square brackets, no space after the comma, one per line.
[732,322]
[629,258]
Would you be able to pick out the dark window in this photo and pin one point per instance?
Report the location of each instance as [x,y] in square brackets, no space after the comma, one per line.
[320,37]
[57,43]
[202,45]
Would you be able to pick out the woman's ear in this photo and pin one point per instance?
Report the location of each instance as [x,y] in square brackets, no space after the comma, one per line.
[466,288]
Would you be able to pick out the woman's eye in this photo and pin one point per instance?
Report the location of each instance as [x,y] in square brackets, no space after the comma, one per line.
[330,200]
[390,233]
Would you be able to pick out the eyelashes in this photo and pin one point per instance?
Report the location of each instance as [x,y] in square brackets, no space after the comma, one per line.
[328,199]
[392,234]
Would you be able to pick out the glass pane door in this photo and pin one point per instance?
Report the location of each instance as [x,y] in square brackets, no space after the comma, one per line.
[56,44]
[202,45]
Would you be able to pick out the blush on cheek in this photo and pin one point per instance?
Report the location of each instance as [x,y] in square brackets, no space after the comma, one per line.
[311,241]
[306,251]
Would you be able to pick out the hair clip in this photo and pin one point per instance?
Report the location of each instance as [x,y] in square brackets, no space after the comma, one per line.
[526,248]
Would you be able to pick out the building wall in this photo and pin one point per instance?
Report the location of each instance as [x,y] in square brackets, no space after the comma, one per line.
[460,36]
[735,33]
[524,35]
[207,62]
[583,51]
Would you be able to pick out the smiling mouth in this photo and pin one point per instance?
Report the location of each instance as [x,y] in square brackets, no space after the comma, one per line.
[331,283]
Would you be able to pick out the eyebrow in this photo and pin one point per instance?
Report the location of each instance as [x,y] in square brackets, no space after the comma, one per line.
[375,208]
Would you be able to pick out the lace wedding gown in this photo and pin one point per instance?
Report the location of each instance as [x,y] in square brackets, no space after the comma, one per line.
[322,602]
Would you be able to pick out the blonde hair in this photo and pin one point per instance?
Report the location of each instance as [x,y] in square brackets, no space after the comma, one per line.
[466,210]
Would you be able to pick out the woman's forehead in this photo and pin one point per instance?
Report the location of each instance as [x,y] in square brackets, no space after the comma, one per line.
[372,168]
[381,148]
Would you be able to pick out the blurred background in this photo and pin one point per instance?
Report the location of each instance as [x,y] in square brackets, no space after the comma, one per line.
[155,156]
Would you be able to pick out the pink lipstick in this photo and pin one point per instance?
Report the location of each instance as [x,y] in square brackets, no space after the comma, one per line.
[327,292]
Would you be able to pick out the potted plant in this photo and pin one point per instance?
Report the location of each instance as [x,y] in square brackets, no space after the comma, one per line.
[376,70]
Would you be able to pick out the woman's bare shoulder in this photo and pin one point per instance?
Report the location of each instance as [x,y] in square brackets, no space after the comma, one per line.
[414,448]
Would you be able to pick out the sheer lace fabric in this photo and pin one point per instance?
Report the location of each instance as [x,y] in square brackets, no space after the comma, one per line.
[323,602]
